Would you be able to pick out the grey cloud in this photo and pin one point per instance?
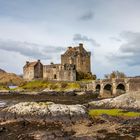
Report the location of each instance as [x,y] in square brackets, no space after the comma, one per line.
[129,52]
[31,50]
[116,39]
[79,37]
[87,16]
[45,10]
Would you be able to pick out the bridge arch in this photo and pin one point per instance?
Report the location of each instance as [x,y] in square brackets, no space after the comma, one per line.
[121,88]
[108,88]
[98,87]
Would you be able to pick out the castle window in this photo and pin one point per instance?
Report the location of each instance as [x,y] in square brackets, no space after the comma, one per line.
[55,77]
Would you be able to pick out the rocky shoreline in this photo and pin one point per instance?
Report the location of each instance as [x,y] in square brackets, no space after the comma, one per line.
[27,117]
[103,128]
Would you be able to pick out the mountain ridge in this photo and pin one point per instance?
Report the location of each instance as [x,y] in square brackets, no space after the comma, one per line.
[9,78]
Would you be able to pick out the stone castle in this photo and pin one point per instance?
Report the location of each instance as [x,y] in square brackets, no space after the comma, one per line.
[74,60]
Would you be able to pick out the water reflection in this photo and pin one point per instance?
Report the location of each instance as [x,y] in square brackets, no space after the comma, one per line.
[2,104]
[12,87]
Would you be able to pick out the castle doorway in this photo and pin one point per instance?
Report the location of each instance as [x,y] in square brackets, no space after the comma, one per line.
[55,77]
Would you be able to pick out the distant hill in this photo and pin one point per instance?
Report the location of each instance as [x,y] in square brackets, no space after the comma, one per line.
[10,78]
[2,71]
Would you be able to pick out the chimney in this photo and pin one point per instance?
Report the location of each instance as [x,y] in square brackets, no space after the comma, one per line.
[81,45]
[69,47]
[27,62]
[38,60]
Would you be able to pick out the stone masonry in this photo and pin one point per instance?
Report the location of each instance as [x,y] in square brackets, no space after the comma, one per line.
[33,70]
[75,59]
[79,57]
[115,86]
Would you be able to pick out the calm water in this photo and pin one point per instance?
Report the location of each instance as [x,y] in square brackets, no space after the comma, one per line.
[2,103]
[12,87]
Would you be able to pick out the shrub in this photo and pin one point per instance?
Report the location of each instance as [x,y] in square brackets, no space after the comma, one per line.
[53,86]
[64,85]
[74,86]
[81,76]
[3,87]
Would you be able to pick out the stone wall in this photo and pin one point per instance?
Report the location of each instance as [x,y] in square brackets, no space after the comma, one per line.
[59,72]
[38,71]
[134,84]
[50,72]
[28,73]
[83,63]
[33,70]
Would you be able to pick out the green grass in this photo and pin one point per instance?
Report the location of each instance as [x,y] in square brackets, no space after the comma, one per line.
[3,87]
[73,86]
[41,85]
[85,81]
[44,103]
[34,85]
[113,112]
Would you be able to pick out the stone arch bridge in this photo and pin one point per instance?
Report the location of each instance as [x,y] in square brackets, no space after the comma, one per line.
[115,86]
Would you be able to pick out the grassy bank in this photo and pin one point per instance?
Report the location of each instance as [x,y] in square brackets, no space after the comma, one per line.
[2,87]
[113,112]
[42,85]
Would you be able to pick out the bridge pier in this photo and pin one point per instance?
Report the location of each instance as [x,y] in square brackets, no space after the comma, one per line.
[127,87]
[114,87]
[101,89]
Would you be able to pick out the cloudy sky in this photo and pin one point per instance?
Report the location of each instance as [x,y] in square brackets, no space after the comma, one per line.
[43,29]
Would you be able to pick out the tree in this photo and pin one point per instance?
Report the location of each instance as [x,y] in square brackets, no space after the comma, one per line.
[115,74]
[85,76]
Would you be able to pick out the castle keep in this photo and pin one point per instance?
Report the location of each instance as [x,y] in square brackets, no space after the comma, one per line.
[74,60]
[79,57]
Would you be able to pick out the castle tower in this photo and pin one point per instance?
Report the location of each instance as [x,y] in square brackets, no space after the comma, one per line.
[79,57]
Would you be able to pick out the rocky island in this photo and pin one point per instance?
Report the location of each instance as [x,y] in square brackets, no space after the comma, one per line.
[66,102]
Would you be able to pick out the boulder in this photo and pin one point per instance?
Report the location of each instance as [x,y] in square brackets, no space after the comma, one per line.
[47,111]
[80,93]
[128,100]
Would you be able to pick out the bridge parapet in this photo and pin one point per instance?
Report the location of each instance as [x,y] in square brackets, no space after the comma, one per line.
[134,84]
[119,80]
[106,80]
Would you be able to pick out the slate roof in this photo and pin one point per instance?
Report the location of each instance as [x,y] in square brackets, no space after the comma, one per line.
[31,64]
[74,51]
